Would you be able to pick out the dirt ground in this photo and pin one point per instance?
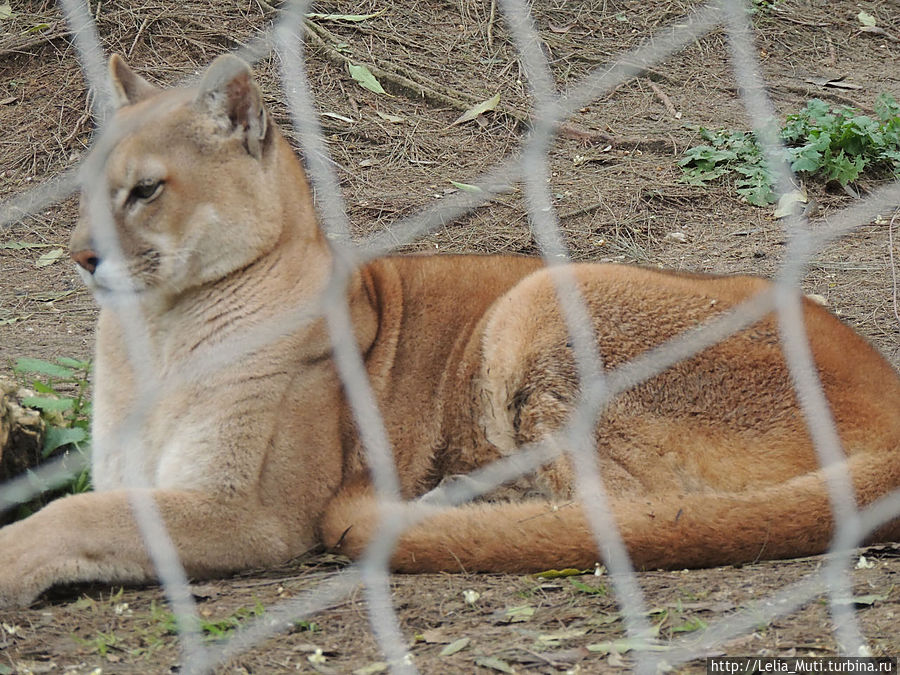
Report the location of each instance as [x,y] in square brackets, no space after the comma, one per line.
[619,198]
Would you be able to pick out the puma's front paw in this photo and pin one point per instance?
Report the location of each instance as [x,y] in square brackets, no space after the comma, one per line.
[20,566]
[50,547]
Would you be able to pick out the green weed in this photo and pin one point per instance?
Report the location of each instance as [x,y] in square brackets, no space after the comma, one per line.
[163,622]
[157,629]
[599,589]
[762,5]
[101,643]
[68,415]
[820,142]
[676,620]
[689,625]
[61,395]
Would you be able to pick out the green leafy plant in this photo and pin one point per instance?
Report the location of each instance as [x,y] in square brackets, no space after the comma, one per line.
[102,643]
[727,152]
[762,6]
[62,397]
[599,589]
[211,629]
[820,141]
[156,630]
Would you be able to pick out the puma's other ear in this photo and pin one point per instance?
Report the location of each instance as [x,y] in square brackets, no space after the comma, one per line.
[229,95]
[127,86]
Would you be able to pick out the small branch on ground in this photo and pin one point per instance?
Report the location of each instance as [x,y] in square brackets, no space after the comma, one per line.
[893,265]
[434,94]
[666,101]
[490,25]
[618,141]
[19,44]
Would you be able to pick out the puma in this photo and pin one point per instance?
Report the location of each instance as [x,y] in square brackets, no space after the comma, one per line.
[468,357]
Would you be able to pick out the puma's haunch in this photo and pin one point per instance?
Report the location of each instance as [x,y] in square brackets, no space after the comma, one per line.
[257,458]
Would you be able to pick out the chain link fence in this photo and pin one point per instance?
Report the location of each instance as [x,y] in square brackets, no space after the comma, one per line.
[529,165]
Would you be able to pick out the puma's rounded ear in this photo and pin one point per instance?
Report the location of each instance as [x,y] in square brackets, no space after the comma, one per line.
[127,86]
[229,94]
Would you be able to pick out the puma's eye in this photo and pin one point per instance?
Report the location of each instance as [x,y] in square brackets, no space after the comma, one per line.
[145,191]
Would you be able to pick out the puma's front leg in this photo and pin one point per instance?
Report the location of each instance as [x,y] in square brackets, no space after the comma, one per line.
[94,537]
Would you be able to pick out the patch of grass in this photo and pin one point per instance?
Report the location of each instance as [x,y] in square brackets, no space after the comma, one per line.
[211,629]
[599,589]
[68,415]
[673,619]
[61,395]
[762,5]
[149,633]
[102,643]
[830,143]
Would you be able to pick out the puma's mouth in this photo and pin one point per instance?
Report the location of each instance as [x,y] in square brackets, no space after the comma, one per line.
[109,277]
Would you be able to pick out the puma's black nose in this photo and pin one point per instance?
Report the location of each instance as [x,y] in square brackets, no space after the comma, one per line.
[87,259]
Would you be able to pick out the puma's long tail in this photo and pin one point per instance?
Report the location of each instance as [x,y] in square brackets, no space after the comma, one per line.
[704,529]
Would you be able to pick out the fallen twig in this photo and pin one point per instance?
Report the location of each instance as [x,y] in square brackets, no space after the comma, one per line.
[323,38]
[490,25]
[666,101]
[893,265]
[589,136]
[434,94]
[17,44]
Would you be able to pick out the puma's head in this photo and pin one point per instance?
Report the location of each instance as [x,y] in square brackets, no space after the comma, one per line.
[185,186]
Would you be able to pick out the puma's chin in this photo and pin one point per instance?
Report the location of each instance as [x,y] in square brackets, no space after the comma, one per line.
[111,277]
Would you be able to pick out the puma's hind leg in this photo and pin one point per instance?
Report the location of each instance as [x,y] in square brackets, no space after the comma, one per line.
[708,463]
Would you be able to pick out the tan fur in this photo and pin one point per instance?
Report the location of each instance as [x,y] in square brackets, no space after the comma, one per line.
[708,463]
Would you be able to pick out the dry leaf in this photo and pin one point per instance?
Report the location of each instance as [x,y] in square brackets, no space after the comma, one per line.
[352,18]
[864,564]
[476,110]
[493,663]
[393,119]
[365,79]
[466,187]
[335,116]
[471,597]
[567,572]
[455,646]
[434,636]
[791,203]
[561,29]
[866,19]
[518,614]
[49,258]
